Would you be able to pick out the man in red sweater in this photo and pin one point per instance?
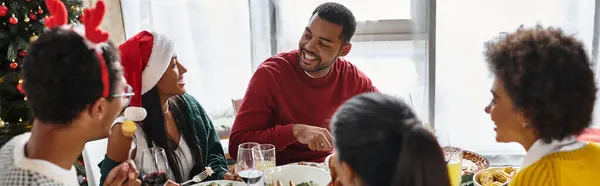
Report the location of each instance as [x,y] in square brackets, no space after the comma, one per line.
[292,95]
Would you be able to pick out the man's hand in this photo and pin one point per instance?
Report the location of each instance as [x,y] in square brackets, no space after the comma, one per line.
[316,138]
[124,174]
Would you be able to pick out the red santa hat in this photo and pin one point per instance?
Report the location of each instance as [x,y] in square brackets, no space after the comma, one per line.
[144,57]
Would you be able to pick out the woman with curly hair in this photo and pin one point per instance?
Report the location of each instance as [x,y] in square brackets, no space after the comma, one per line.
[543,97]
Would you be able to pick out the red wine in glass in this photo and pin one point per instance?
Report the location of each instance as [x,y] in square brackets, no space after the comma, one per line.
[250,176]
[156,179]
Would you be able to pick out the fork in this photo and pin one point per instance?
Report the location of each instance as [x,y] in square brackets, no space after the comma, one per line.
[203,175]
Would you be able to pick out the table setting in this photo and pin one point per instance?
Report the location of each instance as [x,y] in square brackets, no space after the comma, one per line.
[255,164]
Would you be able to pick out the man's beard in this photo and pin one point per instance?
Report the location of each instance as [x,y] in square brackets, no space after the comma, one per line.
[318,66]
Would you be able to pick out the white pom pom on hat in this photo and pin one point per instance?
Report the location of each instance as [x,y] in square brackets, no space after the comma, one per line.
[135,113]
[145,57]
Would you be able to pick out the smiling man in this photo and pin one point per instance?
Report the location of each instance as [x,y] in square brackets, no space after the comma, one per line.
[292,95]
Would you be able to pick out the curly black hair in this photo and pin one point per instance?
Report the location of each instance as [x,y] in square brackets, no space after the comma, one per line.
[547,75]
[61,75]
[338,14]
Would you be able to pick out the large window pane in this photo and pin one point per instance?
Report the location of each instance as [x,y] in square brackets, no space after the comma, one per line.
[387,46]
[212,40]
[462,79]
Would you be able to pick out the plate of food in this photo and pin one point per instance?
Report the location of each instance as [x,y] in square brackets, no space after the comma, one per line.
[296,175]
[472,163]
[313,164]
[221,183]
[494,176]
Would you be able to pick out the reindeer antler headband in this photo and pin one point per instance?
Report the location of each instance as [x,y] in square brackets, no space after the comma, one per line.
[94,37]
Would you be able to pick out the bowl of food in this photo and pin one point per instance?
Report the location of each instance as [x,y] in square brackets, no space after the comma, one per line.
[495,176]
[296,175]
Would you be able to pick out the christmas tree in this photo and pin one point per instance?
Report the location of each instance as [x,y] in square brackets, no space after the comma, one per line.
[21,22]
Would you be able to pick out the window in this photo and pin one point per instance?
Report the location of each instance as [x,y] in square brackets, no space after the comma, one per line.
[462,79]
[212,40]
[435,63]
[387,46]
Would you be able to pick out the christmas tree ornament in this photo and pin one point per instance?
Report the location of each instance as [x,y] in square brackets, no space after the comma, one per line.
[20,86]
[1,123]
[26,19]
[23,53]
[2,79]
[13,65]
[33,38]
[25,98]
[32,16]
[40,11]
[13,20]
[3,10]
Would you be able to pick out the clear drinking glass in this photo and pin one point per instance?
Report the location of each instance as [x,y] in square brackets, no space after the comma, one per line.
[246,162]
[268,154]
[454,156]
[154,167]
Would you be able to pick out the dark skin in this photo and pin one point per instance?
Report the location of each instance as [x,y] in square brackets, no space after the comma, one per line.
[511,124]
[323,44]
[170,84]
[91,124]
[320,47]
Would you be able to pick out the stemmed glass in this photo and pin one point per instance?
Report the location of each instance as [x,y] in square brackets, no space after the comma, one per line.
[247,159]
[154,167]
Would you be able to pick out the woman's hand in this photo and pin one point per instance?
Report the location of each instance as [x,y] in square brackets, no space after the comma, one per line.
[171,183]
[124,174]
[232,175]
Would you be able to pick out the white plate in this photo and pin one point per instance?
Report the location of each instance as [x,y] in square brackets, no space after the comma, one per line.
[298,174]
[221,182]
[319,165]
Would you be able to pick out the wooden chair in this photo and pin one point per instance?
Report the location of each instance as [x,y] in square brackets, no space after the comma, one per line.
[236,105]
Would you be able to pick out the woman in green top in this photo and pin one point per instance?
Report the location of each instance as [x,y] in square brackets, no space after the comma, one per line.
[166,116]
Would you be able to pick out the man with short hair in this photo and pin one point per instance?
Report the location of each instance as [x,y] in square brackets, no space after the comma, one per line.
[292,95]
[75,88]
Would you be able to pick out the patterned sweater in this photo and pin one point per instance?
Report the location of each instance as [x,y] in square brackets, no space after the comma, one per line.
[16,169]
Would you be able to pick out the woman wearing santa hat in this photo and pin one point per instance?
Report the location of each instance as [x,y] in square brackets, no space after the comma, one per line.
[164,114]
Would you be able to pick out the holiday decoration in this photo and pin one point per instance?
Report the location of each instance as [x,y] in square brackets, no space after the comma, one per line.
[13,65]
[32,16]
[3,10]
[21,23]
[13,20]
[33,38]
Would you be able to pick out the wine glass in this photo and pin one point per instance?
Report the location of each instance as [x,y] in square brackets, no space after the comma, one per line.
[246,163]
[267,151]
[154,167]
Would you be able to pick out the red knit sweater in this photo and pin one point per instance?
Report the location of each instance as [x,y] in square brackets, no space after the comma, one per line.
[281,94]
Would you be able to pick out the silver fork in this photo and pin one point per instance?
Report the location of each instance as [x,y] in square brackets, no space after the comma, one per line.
[203,175]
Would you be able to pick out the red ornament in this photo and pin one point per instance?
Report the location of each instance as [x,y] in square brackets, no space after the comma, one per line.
[32,16]
[23,53]
[3,10]
[40,11]
[13,20]
[20,87]
[13,65]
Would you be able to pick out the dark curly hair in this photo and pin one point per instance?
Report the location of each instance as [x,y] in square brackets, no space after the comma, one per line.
[61,75]
[547,75]
[338,14]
